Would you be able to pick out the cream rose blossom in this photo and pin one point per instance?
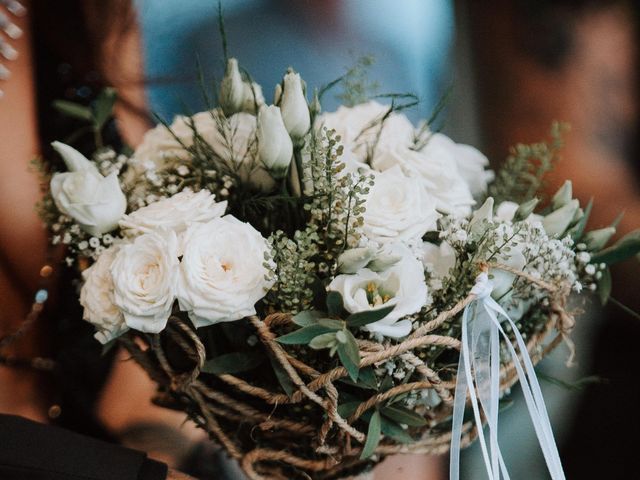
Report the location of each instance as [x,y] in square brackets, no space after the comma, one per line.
[222,273]
[145,273]
[97,298]
[175,213]
[398,208]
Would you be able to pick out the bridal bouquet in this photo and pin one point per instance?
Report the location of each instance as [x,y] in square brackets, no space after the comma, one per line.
[318,290]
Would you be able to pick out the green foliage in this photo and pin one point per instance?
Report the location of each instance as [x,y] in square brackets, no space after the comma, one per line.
[356,86]
[349,353]
[295,270]
[522,176]
[235,362]
[627,247]
[334,201]
[373,436]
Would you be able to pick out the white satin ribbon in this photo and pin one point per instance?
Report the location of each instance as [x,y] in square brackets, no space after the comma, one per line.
[479,375]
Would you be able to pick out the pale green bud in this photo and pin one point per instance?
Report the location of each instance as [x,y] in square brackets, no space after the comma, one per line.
[232,89]
[557,222]
[355,259]
[526,209]
[597,239]
[562,196]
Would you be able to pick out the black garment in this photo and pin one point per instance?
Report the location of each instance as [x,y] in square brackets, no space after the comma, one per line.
[34,451]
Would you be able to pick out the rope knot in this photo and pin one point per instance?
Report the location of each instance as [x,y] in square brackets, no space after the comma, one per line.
[483,286]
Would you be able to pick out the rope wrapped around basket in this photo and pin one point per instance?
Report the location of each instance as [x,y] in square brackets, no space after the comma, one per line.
[334,444]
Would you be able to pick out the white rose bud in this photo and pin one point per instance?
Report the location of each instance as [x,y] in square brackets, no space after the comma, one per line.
[97,298]
[557,222]
[253,98]
[526,209]
[222,273]
[485,212]
[144,274]
[95,202]
[295,111]
[275,148]
[506,211]
[562,196]
[232,89]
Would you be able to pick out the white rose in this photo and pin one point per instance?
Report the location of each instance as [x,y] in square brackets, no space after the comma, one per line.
[97,298]
[435,164]
[175,213]
[95,202]
[274,144]
[295,111]
[145,273]
[472,165]
[360,125]
[402,286]
[232,139]
[398,208]
[222,273]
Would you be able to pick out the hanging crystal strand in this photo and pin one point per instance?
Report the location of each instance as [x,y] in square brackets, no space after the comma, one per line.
[11,31]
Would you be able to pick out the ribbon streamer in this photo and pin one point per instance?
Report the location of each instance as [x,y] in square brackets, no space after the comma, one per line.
[479,375]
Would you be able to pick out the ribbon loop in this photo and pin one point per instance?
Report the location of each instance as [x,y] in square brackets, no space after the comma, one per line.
[479,376]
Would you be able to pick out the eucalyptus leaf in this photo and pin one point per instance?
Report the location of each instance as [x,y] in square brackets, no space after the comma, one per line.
[235,362]
[326,340]
[303,335]
[334,303]
[73,110]
[577,230]
[361,319]
[604,286]
[308,317]
[331,323]
[103,107]
[283,377]
[626,247]
[403,416]
[347,409]
[393,430]
[373,436]
[350,355]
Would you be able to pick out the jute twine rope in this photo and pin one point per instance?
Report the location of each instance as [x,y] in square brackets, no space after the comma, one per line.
[333,445]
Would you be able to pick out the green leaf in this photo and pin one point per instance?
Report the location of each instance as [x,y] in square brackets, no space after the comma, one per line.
[234,362]
[373,436]
[403,416]
[73,110]
[303,335]
[577,230]
[334,304]
[326,340]
[626,247]
[283,377]
[350,355]
[361,319]
[103,107]
[308,317]
[392,430]
[366,380]
[604,286]
[347,409]
[331,323]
